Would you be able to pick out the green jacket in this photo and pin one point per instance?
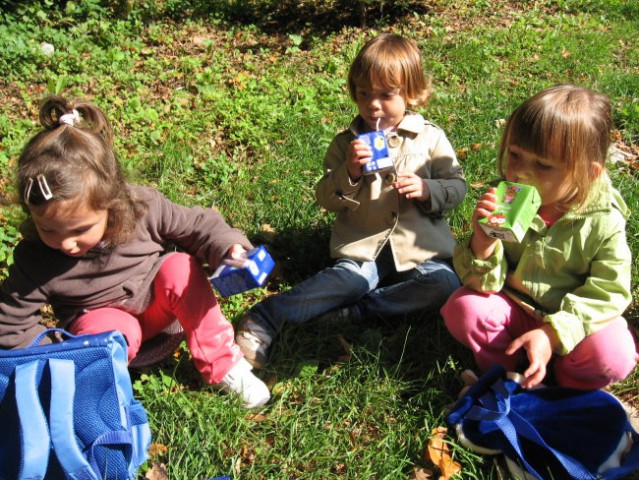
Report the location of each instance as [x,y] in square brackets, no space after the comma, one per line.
[574,275]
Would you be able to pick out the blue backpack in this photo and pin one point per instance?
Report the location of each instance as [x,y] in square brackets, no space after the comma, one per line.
[67,411]
[546,433]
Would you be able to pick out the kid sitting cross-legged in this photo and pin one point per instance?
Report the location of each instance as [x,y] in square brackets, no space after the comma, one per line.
[391,239]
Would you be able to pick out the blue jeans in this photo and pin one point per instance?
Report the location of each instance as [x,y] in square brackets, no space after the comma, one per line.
[368,289]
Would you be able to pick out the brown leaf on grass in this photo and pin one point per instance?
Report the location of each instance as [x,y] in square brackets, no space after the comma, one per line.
[157,472]
[462,152]
[268,232]
[622,154]
[479,185]
[420,473]
[439,454]
[157,449]
[346,347]
[256,417]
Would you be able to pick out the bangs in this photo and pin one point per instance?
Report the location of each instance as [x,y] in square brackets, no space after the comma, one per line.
[543,137]
[379,72]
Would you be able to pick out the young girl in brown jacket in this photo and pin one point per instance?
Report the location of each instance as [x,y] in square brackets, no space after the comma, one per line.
[94,249]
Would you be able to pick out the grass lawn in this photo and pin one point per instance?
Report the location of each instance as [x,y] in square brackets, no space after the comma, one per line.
[232,105]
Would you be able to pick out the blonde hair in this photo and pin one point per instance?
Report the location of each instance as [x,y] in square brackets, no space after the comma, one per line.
[74,159]
[568,124]
[394,62]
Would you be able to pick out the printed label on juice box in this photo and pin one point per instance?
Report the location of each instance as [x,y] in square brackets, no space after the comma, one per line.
[252,273]
[517,205]
[381,160]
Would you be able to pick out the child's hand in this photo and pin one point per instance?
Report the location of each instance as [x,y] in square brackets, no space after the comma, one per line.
[481,244]
[539,345]
[359,154]
[412,186]
[484,207]
[236,256]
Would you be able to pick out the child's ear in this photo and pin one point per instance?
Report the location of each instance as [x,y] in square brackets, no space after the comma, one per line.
[595,171]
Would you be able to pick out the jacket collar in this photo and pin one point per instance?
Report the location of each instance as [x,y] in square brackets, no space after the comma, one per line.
[602,197]
[412,123]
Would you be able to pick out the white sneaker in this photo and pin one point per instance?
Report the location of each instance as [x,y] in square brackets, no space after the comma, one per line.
[254,341]
[240,380]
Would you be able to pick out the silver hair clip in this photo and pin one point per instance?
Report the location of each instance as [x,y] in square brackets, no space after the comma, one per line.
[45,191]
[72,118]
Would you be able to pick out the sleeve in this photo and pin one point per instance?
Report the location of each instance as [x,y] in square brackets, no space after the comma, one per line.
[447,185]
[603,296]
[486,276]
[21,299]
[201,232]
[335,190]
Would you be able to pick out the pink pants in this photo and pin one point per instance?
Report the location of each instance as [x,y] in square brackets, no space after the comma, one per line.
[180,290]
[488,323]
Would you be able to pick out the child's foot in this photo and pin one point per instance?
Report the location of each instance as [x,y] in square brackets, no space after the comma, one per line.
[469,378]
[240,380]
[253,340]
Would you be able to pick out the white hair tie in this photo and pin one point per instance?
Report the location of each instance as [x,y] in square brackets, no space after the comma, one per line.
[72,118]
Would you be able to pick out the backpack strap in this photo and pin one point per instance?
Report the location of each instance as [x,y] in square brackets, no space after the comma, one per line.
[36,341]
[78,464]
[61,421]
[34,435]
[496,409]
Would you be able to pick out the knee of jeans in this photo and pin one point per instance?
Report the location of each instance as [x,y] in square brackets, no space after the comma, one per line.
[441,274]
[357,280]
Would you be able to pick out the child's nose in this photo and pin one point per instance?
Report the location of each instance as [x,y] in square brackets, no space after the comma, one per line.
[521,172]
[375,103]
[68,244]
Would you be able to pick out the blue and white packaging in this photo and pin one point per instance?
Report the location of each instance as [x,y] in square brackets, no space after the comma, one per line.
[230,280]
[381,160]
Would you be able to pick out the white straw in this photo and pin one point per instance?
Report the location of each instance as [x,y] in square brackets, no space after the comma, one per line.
[377,126]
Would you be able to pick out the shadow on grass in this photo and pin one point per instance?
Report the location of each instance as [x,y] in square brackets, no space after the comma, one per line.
[318,17]
[299,253]
[416,350]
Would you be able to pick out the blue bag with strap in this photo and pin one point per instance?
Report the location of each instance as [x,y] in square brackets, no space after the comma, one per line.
[548,432]
[67,411]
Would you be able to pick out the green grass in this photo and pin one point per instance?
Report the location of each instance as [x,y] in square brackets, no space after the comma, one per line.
[233,104]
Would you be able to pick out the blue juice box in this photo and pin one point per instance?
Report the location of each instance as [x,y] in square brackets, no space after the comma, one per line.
[381,160]
[229,280]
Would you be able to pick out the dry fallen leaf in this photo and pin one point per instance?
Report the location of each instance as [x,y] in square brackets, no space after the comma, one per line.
[439,454]
[157,472]
[346,347]
[420,473]
[157,449]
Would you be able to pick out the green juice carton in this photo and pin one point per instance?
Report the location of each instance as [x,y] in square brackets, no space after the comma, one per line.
[517,205]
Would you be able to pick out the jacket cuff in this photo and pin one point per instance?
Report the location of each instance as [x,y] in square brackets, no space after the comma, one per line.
[569,328]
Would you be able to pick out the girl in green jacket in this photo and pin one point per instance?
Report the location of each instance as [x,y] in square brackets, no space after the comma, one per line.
[558,295]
